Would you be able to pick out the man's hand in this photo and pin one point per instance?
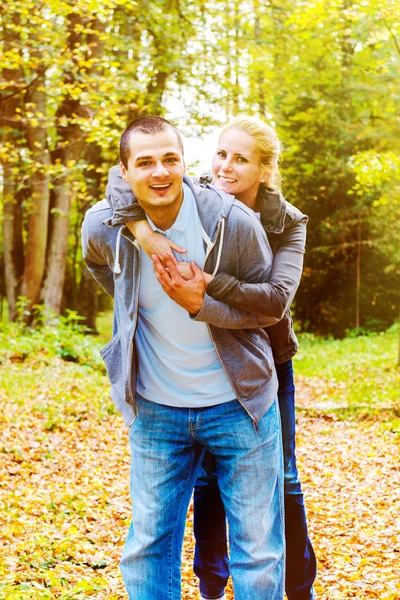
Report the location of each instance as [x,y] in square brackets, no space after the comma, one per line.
[188,294]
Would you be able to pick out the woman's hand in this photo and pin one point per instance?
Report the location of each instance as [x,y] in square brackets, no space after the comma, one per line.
[152,242]
[184,270]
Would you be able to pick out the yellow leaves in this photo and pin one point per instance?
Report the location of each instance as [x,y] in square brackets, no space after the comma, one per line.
[65,509]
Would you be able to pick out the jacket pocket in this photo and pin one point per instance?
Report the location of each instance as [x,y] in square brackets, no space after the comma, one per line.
[113,357]
[248,358]
[108,347]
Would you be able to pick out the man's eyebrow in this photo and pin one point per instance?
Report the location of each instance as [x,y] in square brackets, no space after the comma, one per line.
[151,157]
[143,157]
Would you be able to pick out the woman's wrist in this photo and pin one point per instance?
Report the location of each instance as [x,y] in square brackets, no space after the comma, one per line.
[140,229]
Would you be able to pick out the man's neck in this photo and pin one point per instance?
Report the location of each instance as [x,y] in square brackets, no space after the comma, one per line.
[164,217]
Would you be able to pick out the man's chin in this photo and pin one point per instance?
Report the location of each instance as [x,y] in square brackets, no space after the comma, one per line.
[163,200]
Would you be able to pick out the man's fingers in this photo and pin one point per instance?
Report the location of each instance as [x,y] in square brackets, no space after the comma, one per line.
[171,267]
[161,273]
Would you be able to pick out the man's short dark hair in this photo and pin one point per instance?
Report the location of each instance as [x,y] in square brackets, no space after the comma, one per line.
[148,124]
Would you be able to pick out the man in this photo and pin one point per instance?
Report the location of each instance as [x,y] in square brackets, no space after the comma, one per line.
[190,373]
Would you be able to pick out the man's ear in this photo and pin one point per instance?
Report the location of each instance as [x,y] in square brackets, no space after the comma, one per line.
[124,172]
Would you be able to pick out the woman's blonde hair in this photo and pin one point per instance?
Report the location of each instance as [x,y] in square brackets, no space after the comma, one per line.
[266,143]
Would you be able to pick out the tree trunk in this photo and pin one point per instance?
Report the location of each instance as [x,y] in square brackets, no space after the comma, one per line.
[38,217]
[88,299]
[13,134]
[68,152]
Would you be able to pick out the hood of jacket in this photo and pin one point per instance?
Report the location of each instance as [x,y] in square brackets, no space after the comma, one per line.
[273,204]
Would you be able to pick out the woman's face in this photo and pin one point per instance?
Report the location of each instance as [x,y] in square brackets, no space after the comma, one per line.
[236,166]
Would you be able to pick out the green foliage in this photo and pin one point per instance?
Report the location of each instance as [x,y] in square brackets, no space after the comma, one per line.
[61,337]
[325,73]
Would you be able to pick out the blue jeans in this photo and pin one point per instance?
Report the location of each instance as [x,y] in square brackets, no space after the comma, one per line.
[167,446]
[211,563]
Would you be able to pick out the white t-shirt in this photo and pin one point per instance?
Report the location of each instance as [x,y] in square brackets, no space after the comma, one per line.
[177,361]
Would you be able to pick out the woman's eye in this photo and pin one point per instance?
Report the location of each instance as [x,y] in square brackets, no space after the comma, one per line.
[241,159]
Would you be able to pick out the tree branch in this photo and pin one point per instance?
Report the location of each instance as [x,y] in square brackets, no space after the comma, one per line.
[3,98]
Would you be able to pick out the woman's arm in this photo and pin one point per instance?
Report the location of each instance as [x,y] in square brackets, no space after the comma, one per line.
[127,211]
[272,298]
[122,200]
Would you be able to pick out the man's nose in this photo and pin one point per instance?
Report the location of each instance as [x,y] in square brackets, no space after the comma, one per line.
[160,170]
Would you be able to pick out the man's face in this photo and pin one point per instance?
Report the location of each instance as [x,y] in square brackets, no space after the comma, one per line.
[155,169]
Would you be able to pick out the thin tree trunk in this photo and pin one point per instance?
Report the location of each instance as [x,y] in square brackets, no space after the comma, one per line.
[398,354]
[260,78]
[358,273]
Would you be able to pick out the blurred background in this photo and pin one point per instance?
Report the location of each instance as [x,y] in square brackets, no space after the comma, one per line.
[324,73]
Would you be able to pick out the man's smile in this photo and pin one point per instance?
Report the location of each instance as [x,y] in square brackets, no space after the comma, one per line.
[160,188]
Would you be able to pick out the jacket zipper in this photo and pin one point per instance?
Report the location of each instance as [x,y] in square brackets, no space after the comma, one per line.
[253,419]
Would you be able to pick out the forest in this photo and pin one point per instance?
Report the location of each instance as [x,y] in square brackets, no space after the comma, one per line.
[325,74]
[74,73]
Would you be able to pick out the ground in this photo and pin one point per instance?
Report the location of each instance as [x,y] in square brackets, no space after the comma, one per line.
[65,503]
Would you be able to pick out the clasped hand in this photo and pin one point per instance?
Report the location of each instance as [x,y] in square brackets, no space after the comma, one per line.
[183,282]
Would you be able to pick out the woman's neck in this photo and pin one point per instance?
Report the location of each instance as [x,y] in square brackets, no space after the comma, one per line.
[251,199]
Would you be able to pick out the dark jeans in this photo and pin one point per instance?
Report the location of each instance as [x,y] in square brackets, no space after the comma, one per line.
[211,563]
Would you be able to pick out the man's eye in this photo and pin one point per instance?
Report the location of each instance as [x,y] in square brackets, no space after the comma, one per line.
[221,154]
[144,163]
[171,160]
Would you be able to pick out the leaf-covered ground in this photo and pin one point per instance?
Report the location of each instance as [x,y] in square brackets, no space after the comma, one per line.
[64,485]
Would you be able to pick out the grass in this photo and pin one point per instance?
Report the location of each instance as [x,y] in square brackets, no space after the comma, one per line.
[360,370]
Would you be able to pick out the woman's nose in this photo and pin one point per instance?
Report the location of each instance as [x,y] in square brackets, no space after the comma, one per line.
[226,165]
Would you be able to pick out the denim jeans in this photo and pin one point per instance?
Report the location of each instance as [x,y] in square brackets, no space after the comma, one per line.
[167,447]
[211,563]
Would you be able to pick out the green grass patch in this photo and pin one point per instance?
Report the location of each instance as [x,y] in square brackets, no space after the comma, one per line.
[356,377]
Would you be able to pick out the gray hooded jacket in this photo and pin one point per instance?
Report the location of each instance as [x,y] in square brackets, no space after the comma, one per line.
[285,227]
[235,245]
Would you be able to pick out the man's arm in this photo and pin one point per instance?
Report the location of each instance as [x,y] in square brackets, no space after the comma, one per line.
[95,260]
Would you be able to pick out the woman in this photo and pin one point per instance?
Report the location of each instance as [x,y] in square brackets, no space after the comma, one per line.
[246,165]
